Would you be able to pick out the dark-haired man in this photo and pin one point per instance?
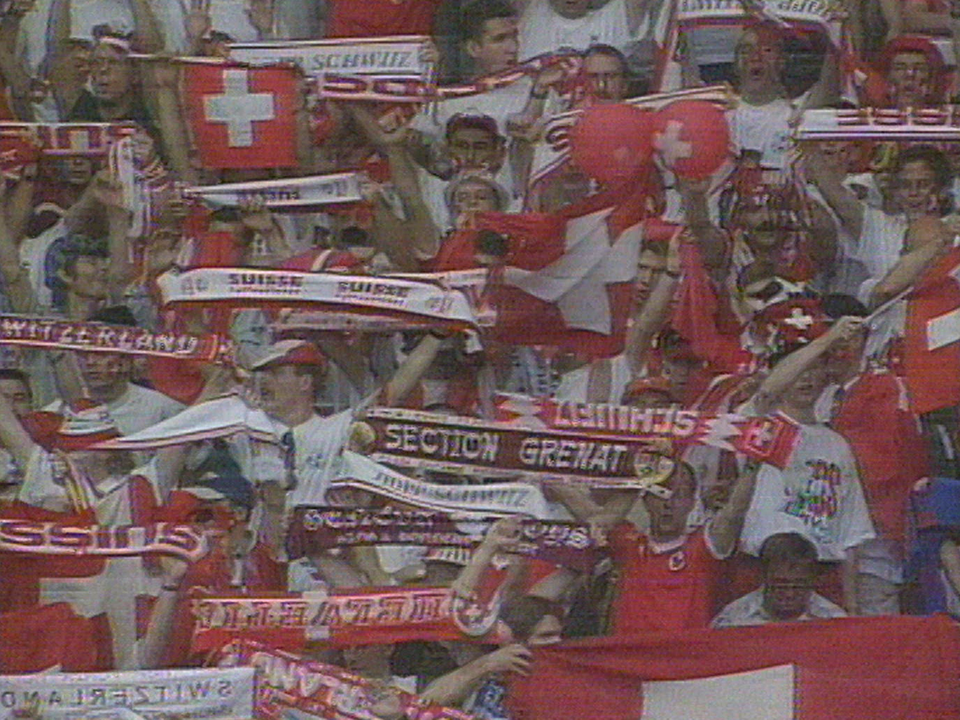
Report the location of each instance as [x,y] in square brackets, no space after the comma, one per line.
[487,35]
[790,568]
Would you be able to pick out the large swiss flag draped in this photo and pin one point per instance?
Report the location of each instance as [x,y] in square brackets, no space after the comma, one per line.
[932,337]
[892,668]
[568,278]
[242,117]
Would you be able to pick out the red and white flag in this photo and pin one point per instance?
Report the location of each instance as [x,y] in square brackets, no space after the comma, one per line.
[568,279]
[932,337]
[242,117]
[891,668]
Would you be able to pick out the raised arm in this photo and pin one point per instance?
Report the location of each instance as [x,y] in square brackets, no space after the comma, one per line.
[407,376]
[501,536]
[455,687]
[653,314]
[712,242]
[418,237]
[785,372]
[149,34]
[929,238]
[830,183]
[13,436]
[723,530]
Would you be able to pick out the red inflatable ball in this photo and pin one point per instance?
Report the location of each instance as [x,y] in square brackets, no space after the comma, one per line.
[692,138]
[612,143]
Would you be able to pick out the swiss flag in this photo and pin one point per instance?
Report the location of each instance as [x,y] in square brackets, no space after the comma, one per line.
[568,278]
[889,668]
[242,117]
[932,337]
[116,595]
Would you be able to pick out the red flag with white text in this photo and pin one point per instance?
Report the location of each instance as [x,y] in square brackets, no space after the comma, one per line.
[242,117]
[932,337]
[890,668]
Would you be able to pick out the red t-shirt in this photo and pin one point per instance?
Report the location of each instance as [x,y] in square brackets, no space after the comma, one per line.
[662,592]
[211,575]
[376,18]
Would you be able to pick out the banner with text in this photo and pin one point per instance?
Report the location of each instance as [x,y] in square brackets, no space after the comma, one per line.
[912,124]
[401,56]
[463,445]
[313,528]
[300,193]
[770,439]
[215,694]
[376,296]
[497,499]
[288,683]
[363,617]
[47,538]
[102,337]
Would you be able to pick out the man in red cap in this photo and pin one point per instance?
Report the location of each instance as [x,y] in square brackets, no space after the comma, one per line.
[288,378]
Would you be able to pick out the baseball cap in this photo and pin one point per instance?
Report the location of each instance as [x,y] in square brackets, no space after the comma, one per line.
[291,352]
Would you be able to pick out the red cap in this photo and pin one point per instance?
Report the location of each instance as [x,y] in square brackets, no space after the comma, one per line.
[291,352]
[788,324]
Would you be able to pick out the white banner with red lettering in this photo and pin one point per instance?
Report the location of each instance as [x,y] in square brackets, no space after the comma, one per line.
[42,332]
[401,56]
[380,296]
[913,124]
[770,439]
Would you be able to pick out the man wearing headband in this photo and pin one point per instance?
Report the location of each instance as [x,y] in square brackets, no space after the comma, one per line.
[114,93]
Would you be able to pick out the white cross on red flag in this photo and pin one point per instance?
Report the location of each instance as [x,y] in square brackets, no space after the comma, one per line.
[569,277]
[242,117]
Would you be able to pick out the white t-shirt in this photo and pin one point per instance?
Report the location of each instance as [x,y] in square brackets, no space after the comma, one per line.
[542,30]
[317,444]
[764,128]
[817,495]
